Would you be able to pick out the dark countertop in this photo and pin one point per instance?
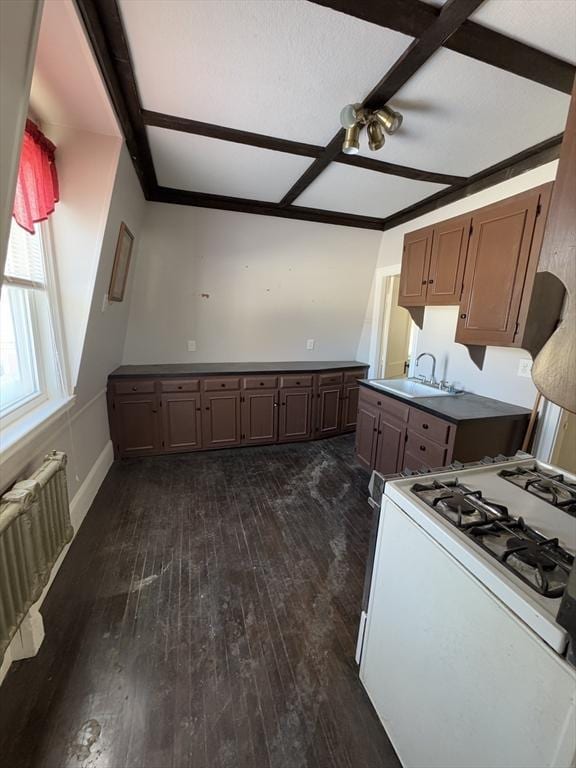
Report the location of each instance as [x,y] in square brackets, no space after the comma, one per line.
[200,369]
[458,408]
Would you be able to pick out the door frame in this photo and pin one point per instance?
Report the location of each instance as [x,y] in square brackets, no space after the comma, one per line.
[381,321]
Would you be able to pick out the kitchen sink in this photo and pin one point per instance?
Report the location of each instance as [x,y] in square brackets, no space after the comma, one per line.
[409,388]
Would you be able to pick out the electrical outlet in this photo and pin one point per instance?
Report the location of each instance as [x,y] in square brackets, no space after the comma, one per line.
[191,346]
[525,367]
[310,344]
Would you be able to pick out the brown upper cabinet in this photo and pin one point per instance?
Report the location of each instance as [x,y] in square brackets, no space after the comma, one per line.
[487,262]
[415,268]
[433,263]
[447,261]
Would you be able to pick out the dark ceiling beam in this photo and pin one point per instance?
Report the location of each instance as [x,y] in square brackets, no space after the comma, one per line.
[243,205]
[371,164]
[197,128]
[106,33]
[541,153]
[183,124]
[412,17]
[444,24]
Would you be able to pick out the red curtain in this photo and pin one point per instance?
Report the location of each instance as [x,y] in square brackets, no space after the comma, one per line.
[37,185]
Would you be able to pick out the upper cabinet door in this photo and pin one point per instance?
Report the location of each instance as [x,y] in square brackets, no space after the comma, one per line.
[415,267]
[496,268]
[447,261]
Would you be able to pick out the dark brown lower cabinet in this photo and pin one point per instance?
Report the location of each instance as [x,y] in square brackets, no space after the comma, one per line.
[221,424]
[182,420]
[295,421]
[367,433]
[391,438]
[259,417]
[328,404]
[350,395]
[137,427]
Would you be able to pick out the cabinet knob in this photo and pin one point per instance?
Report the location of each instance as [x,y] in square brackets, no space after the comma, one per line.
[297,383]
[430,282]
[134,389]
[222,385]
[154,410]
[463,316]
[424,426]
[422,447]
[378,402]
[424,282]
[180,386]
[261,383]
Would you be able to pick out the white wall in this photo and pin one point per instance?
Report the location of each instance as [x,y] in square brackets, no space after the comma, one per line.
[247,287]
[498,378]
[86,164]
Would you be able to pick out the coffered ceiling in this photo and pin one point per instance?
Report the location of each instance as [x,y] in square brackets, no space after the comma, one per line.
[235,104]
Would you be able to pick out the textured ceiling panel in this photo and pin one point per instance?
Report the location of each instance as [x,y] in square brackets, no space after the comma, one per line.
[461,116]
[356,190]
[280,67]
[219,167]
[549,25]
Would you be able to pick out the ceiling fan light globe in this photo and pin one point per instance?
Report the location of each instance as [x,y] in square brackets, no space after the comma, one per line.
[349,116]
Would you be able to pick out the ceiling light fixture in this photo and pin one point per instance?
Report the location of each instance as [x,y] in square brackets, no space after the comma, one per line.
[375,136]
[354,117]
[351,143]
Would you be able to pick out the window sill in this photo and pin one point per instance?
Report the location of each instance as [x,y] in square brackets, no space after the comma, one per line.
[17,435]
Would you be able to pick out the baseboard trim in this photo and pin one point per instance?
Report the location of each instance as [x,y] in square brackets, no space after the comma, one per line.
[79,506]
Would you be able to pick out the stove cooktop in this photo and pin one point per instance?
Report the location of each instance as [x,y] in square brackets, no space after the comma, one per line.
[552,487]
[540,562]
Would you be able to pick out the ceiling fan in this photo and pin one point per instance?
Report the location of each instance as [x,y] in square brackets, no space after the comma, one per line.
[354,117]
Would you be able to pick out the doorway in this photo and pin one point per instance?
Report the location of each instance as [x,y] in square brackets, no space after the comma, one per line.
[397,334]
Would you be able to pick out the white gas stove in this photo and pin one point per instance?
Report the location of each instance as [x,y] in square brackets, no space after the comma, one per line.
[461,638]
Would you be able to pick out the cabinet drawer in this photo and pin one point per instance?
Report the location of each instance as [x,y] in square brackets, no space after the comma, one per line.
[352,376]
[180,385]
[326,379]
[433,455]
[434,429]
[260,382]
[387,404]
[223,383]
[129,387]
[295,381]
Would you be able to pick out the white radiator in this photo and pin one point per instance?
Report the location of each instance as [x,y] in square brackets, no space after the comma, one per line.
[34,528]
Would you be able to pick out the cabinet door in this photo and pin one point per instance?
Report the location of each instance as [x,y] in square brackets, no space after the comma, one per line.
[495,271]
[182,422]
[350,398]
[328,410]
[221,419]
[259,417]
[447,261]
[390,447]
[295,415]
[413,461]
[367,434]
[137,427]
[415,267]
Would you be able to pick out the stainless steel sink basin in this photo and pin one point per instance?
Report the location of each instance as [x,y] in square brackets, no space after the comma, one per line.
[409,388]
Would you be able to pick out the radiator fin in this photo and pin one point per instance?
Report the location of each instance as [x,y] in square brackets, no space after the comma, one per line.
[34,528]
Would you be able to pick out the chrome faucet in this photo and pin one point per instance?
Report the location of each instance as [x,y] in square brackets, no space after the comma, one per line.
[428,354]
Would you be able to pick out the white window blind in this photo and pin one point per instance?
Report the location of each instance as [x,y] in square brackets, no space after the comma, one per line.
[24,262]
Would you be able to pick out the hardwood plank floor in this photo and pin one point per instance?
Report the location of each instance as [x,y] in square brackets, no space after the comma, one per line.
[206,616]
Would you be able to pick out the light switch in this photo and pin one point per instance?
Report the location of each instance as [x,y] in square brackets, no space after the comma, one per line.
[310,344]
[191,346]
[525,367]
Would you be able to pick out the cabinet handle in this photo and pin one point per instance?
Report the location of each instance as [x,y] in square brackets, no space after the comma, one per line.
[424,282]
[134,389]
[378,402]
[180,386]
[422,447]
[463,316]
[261,383]
[297,383]
[222,385]
[424,426]
[430,282]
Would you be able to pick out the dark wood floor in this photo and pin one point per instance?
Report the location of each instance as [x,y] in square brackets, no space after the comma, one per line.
[206,616]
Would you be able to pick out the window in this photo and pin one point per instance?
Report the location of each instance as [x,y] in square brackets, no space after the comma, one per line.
[30,369]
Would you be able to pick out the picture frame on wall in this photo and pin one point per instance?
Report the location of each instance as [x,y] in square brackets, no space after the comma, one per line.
[121,264]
